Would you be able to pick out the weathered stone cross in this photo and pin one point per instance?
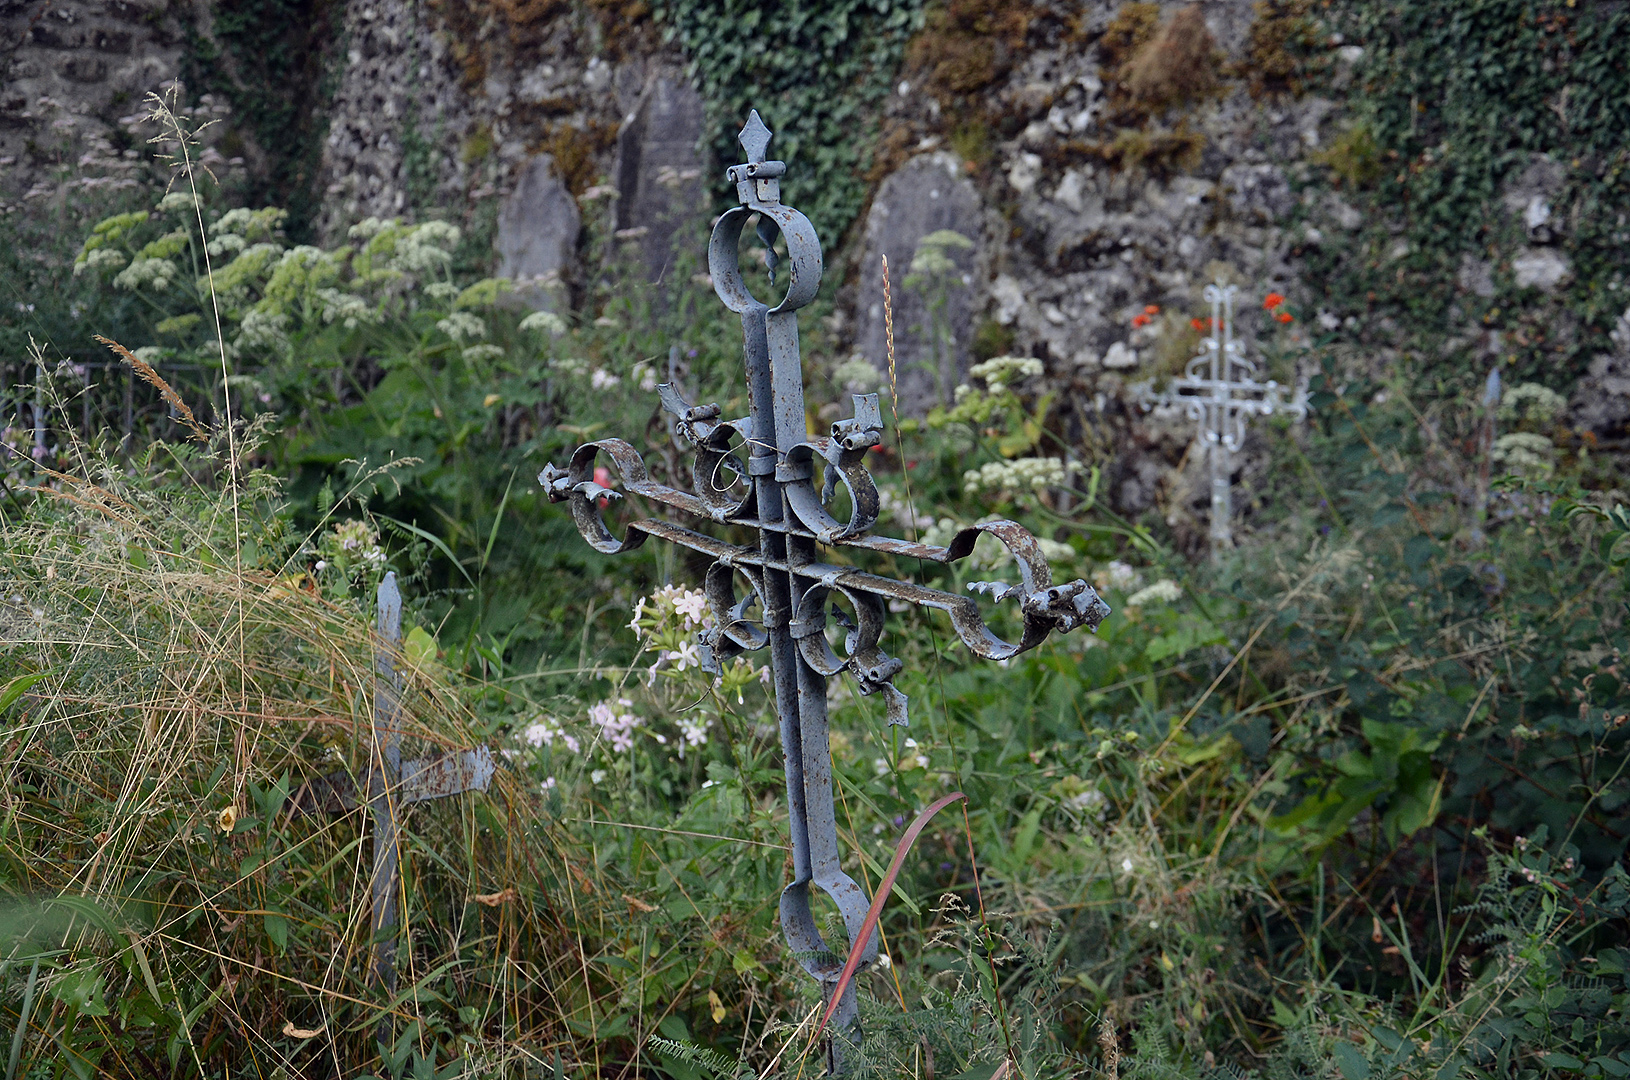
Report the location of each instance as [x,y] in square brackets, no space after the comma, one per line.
[774,495]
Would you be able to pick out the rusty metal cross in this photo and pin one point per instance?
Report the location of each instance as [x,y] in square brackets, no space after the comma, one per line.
[774,494]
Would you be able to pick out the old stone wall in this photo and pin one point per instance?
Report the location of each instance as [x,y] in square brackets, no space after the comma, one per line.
[1082,168]
[72,78]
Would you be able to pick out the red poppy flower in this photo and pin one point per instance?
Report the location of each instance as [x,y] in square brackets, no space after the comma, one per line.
[1140,320]
[1284,316]
[1272,300]
[602,476]
[1198,324]
[1152,309]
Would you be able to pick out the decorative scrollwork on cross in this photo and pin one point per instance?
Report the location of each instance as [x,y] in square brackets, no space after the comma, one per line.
[758,473]
[1219,390]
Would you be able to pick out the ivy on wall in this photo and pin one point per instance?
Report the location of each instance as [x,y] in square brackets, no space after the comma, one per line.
[1451,104]
[272,60]
[816,70]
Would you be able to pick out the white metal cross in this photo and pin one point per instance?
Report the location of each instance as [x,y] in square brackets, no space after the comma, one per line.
[1219,389]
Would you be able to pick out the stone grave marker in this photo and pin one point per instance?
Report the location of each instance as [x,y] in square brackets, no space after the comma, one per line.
[929,193]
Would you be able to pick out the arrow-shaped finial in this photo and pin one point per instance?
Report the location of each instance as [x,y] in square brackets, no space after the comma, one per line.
[755,138]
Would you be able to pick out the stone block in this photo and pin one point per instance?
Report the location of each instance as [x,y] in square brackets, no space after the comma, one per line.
[537,233]
[927,194]
[658,173]
[1541,268]
[83,69]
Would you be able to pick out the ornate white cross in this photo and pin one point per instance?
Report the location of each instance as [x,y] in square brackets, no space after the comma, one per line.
[1220,390]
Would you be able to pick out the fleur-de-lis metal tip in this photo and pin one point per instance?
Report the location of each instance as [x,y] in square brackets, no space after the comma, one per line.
[755,137]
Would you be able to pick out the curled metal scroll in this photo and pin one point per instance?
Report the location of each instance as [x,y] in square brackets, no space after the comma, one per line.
[1044,607]
[759,475]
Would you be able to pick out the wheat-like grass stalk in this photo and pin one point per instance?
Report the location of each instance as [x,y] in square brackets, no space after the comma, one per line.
[151,376]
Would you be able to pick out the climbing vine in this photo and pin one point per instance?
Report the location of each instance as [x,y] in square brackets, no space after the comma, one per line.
[1451,104]
[272,60]
[817,70]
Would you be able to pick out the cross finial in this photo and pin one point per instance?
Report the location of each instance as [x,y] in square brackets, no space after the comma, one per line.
[755,137]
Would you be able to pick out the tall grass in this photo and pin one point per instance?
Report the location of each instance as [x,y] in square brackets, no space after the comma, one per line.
[174,687]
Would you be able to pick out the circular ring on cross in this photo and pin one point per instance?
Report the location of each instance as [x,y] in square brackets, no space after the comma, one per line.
[735,633]
[588,496]
[859,640]
[1035,578]
[804,265]
[807,505]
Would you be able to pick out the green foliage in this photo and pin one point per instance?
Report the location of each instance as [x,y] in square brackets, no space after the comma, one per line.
[1353,156]
[1458,101]
[817,72]
[276,62]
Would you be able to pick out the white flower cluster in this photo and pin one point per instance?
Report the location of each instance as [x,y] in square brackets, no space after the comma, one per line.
[235,228]
[1032,473]
[102,259]
[346,307]
[1054,551]
[155,274]
[616,722]
[1532,401]
[1001,371]
[693,731]
[441,290]
[477,353]
[545,731]
[462,326]
[939,533]
[1164,591]
[1116,575]
[1523,451]
[601,379]
[1086,803]
[689,604]
[857,375]
[892,505]
[426,247]
[546,321]
[262,329]
[177,202]
[357,539]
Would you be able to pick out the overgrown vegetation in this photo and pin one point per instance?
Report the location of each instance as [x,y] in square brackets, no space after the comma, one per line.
[1351,803]
[826,65]
[1484,116]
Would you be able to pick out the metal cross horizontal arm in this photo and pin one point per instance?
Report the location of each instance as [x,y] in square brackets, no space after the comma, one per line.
[773,493]
[1219,389]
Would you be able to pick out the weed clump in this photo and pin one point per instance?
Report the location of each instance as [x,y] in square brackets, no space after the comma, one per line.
[1281,51]
[1177,66]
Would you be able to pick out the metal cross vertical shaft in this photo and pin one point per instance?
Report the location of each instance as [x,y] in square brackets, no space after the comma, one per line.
[773,496]
[391,784]
[1219,389]
[383,780]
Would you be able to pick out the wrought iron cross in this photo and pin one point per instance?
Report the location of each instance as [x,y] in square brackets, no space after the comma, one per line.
[774,493]
[1219,389]
[392,783]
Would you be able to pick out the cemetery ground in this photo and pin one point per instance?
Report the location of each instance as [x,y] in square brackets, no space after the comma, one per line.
[1349,800]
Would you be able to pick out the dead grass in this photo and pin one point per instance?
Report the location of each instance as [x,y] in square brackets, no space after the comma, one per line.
[1175,67]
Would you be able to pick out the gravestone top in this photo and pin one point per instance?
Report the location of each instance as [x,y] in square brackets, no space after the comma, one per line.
[927,194]
[658,172]
[538,226]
